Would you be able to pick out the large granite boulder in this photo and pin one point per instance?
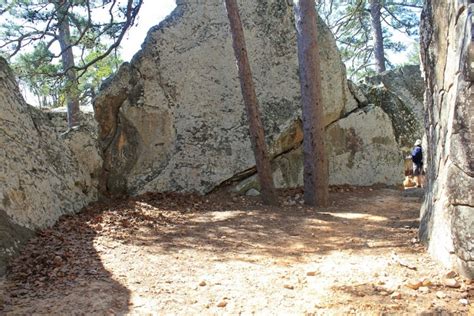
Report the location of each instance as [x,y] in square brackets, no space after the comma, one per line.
[43,174]
[173,119]
[362,148]
[447,216]
[399,93]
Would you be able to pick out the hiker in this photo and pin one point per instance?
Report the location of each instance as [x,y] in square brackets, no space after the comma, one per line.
[417,159]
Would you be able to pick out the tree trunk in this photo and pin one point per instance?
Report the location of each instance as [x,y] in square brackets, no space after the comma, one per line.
[315,162]
[257,136]
[378,36]
[67,56]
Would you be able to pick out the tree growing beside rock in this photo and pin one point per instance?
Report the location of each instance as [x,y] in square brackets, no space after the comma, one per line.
[257,135]
[316,178]
[69,31]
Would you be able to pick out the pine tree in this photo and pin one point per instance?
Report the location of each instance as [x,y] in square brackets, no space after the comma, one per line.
[364,30]
[257,135]
[67,30]
[315,175]
[34,75]
[379,54]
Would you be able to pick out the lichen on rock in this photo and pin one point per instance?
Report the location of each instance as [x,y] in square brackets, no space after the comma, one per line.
[173,119]
[43,174]
[447,224]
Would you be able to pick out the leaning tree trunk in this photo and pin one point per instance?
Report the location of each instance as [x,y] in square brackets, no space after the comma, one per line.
[314,151]
[257,136]
[379,53]
[72,90]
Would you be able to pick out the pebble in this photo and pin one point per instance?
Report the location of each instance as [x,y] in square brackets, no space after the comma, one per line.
[424,289]
[57,260]
[252,192]
[222,303]
[464,301]
[202,283]
[289,286]
[311,273]
[396,295]
[440,295]
[451,274]
[452,283]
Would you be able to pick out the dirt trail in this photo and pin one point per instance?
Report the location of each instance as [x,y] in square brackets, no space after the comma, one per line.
[222,254]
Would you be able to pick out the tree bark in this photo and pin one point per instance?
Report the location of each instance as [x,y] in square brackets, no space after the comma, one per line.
[257,136]
[379,53]
[315,161]
[67,57]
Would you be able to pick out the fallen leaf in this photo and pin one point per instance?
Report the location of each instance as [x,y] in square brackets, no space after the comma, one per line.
[222,303]
[427,282]
[414,285]
[402,263]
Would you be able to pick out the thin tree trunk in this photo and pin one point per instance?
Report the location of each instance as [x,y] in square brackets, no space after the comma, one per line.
[379,53]
[315,162]
[67,56]
[257,136]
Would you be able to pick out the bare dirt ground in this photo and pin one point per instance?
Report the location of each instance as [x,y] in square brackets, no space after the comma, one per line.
[169,254]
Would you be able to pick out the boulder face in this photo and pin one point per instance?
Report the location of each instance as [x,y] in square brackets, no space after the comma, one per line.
[43,175]
[365,145]
[174,120]
[447,216]
[399,93]
[363,150]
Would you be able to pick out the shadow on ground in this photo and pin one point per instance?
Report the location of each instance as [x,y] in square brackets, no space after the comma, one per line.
[355,221]
[62,271]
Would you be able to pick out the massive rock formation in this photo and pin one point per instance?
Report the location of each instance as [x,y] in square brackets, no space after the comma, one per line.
[399,93]
[388,121]
[447,217]
[173,119]
[42,175]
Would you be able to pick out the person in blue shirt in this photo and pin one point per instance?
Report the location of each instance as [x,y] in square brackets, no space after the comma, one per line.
[417,159]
